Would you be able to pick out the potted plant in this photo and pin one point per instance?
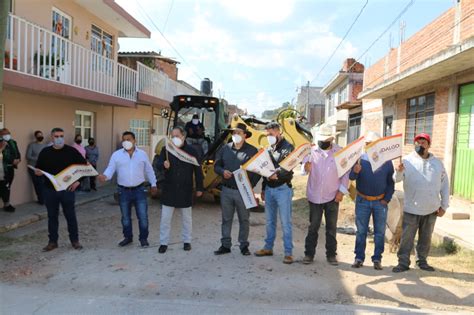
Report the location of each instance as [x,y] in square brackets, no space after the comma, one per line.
[7,61]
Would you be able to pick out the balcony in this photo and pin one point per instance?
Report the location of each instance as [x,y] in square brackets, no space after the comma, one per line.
[37,52]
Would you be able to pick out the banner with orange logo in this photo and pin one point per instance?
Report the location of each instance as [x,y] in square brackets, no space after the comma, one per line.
[261,163]
[295,157]
[383,150]
[347,157]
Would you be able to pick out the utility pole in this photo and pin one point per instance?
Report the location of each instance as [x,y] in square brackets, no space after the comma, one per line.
[4,9]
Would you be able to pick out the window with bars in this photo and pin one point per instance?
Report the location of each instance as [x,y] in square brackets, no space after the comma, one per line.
[141,129]
[419,116]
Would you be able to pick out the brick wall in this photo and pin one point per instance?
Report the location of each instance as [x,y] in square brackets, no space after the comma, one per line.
[170,69]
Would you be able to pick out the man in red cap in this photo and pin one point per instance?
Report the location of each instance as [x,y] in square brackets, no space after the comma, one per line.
[426,188]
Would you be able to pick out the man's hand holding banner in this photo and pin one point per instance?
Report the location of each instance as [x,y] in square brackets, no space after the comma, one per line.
[383,150]
[69,175]
[261,164]
[347,157]
[295,157]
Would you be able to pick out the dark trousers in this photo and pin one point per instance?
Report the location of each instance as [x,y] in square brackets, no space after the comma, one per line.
[38,182]
[330,210]
[231,201]
[92,179]
[52,200]
[412,223]
[5,191]
[136,197]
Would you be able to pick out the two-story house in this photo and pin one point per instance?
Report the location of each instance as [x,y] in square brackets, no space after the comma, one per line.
[343,108]
[311,103]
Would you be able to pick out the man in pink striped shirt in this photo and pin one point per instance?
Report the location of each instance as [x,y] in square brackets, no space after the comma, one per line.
[324,192]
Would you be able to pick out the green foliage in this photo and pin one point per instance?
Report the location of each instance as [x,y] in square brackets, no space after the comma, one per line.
[272,114]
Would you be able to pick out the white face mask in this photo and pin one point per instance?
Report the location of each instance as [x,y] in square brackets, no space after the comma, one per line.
[272,140]
[7,137]
[237,138]
[195,121]
[127,145]
[177,141]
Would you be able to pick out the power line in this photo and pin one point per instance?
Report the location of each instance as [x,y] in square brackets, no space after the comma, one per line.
[166,39]
[168,16]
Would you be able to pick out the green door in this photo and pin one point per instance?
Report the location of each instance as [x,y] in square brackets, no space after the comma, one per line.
[464,167]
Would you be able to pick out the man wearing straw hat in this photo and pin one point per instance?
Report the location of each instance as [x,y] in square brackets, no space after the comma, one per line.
[324,192]
[374,192]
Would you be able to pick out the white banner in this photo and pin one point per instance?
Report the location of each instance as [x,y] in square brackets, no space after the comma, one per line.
[180,154]
[295,157]
[261,163]
[383,150]
[348,156]
[245,188]
[69,175]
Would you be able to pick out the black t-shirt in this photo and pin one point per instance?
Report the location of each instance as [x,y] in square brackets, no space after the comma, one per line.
[53,160]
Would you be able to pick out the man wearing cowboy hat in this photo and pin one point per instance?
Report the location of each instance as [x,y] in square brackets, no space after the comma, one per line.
[426,188]
[374,192]
[229,159]
[324,192]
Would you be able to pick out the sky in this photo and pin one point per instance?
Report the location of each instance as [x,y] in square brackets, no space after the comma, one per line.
[259,52]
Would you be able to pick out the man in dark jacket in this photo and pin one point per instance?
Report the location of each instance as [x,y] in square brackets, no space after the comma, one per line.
[177,188]
[11,159]
[278,194]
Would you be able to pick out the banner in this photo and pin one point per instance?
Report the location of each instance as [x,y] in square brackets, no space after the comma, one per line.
[69,175]
[295,157]
[245,188]
[261,163]
[348,156]
[180,154]
[383,150]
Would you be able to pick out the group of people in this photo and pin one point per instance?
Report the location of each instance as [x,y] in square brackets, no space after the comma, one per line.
[425,184]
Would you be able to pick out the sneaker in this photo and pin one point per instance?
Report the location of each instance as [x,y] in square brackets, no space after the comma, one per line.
[308,260]
[222,250]
[332,260]
[378,265]
[144,243]
[76,245]
[425,267]
[400,268]
[125,242]
[187,246]
[245,251]
[357,263]
[288,260]
[50,247]
[162,249]
[9,208]
[264,252]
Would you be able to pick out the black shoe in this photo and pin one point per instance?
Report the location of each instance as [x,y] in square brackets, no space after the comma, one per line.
[400,268]
[9,208]
[222,250]
[187,246]
[357,263]
[425,267]
[245,251]
[125,242]
[76,245]
[332,260]
[378,265]
[144,243]
[162,249]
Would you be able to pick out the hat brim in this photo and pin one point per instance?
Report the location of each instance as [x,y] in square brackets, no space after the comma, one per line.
[320,137]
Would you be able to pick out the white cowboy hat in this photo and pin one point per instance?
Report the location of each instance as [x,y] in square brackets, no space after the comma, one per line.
[324,133]
[371,136]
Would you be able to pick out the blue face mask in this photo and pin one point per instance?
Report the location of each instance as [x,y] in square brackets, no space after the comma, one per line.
[58,142]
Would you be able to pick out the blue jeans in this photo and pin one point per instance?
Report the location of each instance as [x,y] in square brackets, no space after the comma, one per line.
[67,199]
[278,199]
[136,197]
[364,209]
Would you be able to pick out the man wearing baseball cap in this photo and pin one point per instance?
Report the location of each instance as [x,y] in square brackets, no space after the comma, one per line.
[426,188]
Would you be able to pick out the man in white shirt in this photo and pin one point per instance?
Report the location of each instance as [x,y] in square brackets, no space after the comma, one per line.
[132,166]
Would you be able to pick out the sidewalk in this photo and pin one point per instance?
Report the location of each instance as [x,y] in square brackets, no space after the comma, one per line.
[459,231]
[32,212]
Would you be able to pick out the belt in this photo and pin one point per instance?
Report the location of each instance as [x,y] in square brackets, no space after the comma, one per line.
[230,187]
[371,198]
[131,188]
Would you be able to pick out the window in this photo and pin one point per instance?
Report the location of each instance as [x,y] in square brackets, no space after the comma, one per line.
[387,126]
[102,42]
[61,24]
[354,127]
[83,124]
[419,117]
[343,94]
[330,100]
[141,129]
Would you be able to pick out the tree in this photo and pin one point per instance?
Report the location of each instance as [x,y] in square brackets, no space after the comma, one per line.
[272,114]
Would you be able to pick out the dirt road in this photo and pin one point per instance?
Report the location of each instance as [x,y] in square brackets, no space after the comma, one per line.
[104,271]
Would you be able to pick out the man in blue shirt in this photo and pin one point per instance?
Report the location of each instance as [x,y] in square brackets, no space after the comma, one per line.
[374,192]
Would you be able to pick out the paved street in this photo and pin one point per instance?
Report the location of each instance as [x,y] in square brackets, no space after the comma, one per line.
[106,278]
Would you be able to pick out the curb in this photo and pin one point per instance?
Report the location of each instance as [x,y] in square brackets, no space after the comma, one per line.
[444,237]
[38,216]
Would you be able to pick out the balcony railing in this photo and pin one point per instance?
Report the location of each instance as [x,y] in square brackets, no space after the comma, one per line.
[36,51]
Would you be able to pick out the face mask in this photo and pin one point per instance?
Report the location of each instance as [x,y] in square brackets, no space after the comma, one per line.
[420,150]
[324,145]
[127,145]
[58,142]
[91,142]
[195,121]
[7,137]
[272,140]
[177,141]
[39,139]
[78,141]
[236,138]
